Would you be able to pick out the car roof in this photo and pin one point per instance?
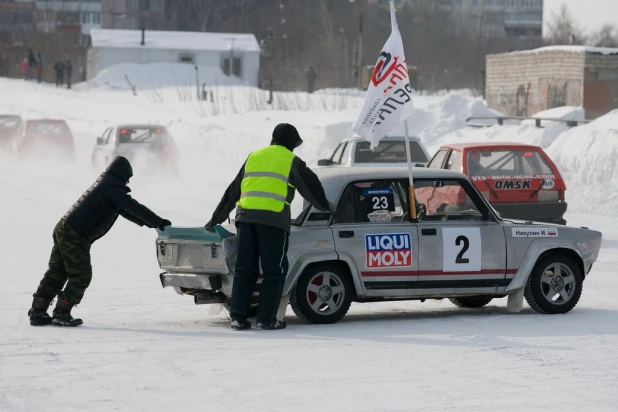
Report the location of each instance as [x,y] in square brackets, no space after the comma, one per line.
[45,120]
[489,145]
[387,138]
[140,126]
[334,178]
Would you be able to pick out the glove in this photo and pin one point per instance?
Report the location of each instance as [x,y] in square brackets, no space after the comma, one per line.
[210,227]
[332,207]
[164,223]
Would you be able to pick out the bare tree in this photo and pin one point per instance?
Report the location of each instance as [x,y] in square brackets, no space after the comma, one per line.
[606,36]
[562,29]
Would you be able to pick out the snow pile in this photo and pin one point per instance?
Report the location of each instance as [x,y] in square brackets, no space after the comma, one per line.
[586,156]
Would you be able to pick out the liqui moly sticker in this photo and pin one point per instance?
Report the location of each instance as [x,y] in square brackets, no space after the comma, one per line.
[388,250]
[535,232]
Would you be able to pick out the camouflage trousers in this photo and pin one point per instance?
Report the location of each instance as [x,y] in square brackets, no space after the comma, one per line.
[69,263]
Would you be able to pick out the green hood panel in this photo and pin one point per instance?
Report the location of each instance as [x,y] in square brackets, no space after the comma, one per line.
[194,233]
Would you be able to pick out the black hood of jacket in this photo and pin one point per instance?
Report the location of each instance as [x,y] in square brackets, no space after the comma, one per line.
[287,136]
[120,168]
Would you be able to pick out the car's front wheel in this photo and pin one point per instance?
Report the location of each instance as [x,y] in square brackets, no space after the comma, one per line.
[471,301]
[555,285]
[322,294]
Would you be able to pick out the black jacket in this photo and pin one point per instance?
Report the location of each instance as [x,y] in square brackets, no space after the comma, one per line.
[93,215]
[305,181]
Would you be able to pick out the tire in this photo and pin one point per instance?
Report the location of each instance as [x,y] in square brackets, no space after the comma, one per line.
[316,299]
[549,294]
[471,301]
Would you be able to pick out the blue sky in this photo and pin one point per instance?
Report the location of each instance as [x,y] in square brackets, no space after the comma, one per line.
[589,14]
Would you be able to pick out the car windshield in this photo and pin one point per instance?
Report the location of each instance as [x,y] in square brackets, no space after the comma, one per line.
[48,128]
[142,135]
[507,163]
[388,152]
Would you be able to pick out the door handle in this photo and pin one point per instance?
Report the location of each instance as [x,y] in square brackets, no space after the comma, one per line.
[346,234]
[429,232]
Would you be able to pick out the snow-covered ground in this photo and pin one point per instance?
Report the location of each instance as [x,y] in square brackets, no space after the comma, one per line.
[146,348]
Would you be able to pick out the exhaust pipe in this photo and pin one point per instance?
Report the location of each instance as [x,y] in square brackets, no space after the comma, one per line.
[207,298]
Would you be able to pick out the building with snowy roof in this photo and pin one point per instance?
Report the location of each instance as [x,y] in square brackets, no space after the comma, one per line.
[524,83]
[236,54]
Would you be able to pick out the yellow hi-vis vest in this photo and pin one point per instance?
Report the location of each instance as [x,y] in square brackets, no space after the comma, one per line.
[265,184]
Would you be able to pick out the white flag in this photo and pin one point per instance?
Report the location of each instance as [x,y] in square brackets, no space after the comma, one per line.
[389,96]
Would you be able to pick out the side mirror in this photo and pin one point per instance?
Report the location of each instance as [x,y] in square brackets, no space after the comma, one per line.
[99,141]
[325,162]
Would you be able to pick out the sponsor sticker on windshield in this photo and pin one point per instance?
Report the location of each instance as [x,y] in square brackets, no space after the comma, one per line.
[388,250]
[380,216]
[535,232]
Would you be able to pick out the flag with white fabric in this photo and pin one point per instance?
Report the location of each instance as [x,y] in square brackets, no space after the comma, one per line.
[389,95]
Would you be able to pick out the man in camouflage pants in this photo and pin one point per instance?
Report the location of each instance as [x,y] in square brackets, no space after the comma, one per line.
[89,219]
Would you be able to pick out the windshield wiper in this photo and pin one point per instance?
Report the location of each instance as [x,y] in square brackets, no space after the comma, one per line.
[493,192]
[537,190]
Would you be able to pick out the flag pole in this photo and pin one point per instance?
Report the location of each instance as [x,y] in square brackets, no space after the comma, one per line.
[412,202]
[411,199]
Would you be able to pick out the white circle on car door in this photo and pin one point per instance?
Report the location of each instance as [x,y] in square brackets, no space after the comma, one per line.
[461,249]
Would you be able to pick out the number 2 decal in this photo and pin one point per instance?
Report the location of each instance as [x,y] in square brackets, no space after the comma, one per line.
[380,203]
[466,245]
[462,249]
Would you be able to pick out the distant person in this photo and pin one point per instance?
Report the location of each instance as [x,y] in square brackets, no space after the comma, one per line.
[68,71]
[311,76]
[88,220]
[39,67]
[31,64]
[59,68]
[24,68]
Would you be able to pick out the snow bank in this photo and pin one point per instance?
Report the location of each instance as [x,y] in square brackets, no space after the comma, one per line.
[586,156]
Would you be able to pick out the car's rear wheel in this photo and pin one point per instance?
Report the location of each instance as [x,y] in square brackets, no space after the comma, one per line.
[555,285]
[322,294]
[471,301]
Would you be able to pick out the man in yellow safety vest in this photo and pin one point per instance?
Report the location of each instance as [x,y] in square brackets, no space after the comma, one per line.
[262,193]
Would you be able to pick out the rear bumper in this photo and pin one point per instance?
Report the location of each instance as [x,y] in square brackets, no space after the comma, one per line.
[548,212]
[194,281]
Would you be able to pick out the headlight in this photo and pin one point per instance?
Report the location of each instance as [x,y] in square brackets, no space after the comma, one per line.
[549,195]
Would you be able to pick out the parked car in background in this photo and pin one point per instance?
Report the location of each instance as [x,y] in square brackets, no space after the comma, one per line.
[391,151]
[152,143]
[520,181]
[370,250]
[10,128]
[46,138]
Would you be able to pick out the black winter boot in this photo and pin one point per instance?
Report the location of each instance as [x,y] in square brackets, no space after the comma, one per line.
[240,324]
[62,314]
[38,312]
[274,325]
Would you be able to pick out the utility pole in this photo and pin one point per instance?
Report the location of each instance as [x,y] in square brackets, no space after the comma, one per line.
[359,63]
[481,17]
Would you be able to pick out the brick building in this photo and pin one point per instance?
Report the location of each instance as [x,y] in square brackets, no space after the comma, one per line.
[526,82]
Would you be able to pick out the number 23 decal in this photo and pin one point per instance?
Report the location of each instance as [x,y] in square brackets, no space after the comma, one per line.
[462,249]
[380,203]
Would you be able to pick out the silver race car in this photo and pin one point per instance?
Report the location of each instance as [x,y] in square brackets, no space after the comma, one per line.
[370,250]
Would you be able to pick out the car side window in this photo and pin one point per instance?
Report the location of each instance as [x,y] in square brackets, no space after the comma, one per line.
[337,153]
[373,201]
[345,153]
[438,159]
[443,199]
[454,161]
[106,136]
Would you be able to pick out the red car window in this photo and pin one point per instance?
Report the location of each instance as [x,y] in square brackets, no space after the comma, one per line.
[507,163]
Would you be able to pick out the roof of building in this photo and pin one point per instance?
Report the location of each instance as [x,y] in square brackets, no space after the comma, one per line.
[173,40]
[573,49]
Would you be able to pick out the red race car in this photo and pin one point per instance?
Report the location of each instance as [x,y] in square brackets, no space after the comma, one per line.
[520,181]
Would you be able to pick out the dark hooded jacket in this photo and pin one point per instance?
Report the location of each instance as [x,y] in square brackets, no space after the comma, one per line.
[305,181]
[93,215]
